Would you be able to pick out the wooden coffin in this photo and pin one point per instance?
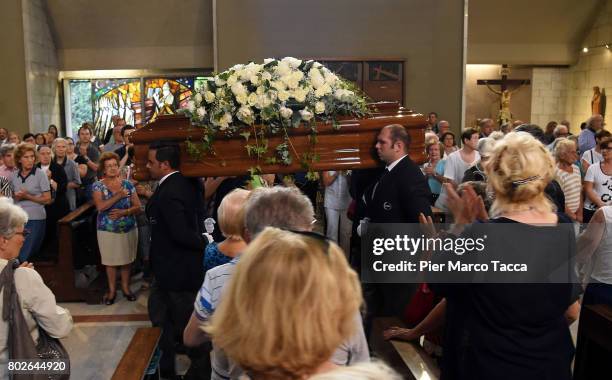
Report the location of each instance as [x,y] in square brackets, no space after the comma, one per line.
[350,147]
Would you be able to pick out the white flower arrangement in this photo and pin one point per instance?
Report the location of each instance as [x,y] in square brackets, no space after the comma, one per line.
[277,94]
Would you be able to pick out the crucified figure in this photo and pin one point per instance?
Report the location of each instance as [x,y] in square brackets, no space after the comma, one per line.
[504,115]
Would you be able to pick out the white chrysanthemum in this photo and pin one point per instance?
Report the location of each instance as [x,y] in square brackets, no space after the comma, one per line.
[316,78]
[285,112]
[319,107]
[209,97]
[306,114]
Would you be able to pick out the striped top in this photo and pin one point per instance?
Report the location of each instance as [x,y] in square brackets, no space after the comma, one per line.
[571,185]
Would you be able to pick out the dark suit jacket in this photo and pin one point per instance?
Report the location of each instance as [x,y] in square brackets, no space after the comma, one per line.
[177,246]
[400,195]
[59,207]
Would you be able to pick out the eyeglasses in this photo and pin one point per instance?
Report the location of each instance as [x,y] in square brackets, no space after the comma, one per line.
[314,235]
[23,233]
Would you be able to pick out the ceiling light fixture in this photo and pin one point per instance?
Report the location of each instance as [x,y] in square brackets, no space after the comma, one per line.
[585,49]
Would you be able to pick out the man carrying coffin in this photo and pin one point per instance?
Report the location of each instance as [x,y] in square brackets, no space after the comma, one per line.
[399,196]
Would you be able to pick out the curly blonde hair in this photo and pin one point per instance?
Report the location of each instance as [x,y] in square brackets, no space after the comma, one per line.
[292,301]
[519,170]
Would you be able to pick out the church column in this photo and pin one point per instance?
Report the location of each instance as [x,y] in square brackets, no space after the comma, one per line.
[13,95]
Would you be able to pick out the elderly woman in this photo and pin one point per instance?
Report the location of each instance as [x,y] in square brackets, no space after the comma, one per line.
[60,150]
[230,218]
[596,187]
[7,169]
[488,331]
[434,169]
[37,302]
[58,208]
[567,173]
[32,192]
[280,269]
[117,203]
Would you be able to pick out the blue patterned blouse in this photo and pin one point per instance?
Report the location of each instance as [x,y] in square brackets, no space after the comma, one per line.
[122,224]
[213,257]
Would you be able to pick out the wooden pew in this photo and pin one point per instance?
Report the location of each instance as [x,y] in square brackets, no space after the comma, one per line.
[407,358]
[594,348]
[137,356]
[59,274]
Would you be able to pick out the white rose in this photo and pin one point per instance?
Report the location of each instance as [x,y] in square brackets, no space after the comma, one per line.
[232,80]
[201,112]
[266,75]
[209,97]
[220,93]
[285,112]
[255,80]
[300,94]
[242,98]
[245,114]
[319,107]
[306,114]
[283,95]
[316,65]
[191,106]
[223,123]
[260,90]
[198,98]
[330,78]
[237,67]
[278,84]
[252,99]
[219,81]
[294,63]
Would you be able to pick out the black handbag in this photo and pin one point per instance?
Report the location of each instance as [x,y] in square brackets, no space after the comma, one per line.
[20,343]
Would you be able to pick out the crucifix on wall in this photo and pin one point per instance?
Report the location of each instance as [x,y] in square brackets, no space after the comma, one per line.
[505,93]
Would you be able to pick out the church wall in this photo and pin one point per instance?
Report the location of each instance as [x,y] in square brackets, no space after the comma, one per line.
[592,69]
[550,94]
[41,67]
[427,34]
[13,98]
[483,103]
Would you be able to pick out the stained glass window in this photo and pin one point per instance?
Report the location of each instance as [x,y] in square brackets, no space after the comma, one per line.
[112,97]
[165,95]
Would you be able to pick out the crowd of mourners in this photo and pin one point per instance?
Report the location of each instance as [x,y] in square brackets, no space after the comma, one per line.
[269,298]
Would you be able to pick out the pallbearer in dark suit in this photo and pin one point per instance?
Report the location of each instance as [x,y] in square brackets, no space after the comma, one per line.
[399,196]
[177,248]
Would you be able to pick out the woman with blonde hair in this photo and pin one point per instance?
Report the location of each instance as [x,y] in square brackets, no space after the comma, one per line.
[230,218]
[291,302]
[490,333]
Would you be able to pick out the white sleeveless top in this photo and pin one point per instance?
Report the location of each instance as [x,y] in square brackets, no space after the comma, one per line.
[602,258]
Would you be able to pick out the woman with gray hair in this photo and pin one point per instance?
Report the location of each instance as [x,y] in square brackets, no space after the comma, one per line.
[37,301]
[485,148]
[60,150]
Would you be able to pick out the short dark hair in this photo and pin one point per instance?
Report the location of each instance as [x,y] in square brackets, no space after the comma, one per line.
[27,136]
[467,134]
[397,133]
[125,128]
[432,113]
[605,142]
[167,151]
[446,134]
[85,126]
[601,134]
[533,130]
